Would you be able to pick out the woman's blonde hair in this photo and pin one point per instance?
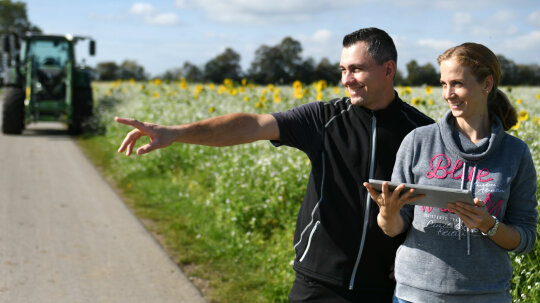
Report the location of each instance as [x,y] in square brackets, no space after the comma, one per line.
[483,62]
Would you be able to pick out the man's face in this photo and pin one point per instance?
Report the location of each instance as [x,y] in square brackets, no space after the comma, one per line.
[364,79]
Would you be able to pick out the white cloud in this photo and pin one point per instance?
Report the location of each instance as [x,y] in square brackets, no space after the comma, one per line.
[141,8]
[461,18]
[152,16]
[180,3]
[499,23]
[439,45]
[504,16]
[527,42]
[322,36]
[534,18]
[494,30]
[263,11]
[162,19]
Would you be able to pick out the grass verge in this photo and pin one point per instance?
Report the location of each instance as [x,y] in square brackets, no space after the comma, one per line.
[225,265]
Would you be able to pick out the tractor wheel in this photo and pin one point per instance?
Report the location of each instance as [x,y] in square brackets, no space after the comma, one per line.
[82,109]
[13,110]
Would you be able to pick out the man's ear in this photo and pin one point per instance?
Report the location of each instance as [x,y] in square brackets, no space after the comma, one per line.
[390,69]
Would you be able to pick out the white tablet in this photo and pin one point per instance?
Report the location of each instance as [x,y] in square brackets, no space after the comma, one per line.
[435,196]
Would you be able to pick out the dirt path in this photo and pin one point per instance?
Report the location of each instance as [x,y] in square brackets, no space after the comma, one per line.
[65,236]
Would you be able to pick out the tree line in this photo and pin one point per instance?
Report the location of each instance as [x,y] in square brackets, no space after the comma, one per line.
[283,64]
[276,64]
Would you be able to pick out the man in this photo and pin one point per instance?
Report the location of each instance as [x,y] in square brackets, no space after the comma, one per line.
[341,253]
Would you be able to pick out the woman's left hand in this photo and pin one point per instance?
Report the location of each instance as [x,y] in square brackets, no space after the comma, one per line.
[474,216]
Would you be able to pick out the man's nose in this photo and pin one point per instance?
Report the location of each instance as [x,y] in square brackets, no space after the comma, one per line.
[346,78]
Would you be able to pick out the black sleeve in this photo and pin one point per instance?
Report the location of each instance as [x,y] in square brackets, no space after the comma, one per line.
[301,127]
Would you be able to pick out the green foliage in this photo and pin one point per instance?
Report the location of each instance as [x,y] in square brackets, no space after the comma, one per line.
[225,65]
[13,17]
[128,69]
[277,64]
[518,74]
[231,211]
[421,74]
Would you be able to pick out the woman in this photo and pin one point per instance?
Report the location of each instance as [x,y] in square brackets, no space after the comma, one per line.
[460,254]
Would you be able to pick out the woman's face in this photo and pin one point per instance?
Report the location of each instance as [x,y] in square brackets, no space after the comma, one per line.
[466,96]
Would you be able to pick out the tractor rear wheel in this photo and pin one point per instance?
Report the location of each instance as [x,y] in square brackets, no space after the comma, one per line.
[82,109]
[13,110]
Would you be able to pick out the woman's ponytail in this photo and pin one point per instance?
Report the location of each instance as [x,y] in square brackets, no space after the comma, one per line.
[498,104]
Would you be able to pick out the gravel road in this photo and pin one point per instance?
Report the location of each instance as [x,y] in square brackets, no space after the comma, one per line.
[65,236]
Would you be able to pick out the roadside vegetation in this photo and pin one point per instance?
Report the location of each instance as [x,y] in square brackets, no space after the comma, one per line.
[227,215]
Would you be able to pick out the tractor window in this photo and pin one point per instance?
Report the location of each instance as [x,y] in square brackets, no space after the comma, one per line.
[50,53]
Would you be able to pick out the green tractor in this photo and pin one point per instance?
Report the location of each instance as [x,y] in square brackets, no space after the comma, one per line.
[43,83]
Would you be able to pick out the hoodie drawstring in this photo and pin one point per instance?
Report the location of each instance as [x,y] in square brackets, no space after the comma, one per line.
[473,177]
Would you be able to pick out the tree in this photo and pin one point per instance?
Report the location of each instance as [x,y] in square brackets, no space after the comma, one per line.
[528,74]
[290,50]
[277,64]
[328,71]
[188,71]
[399,79]
[107,71]
[172,74]
[225,65]
[509,71]
[13,18]
[305,71]
[129,69]
[265,68]
[192,72]
[419,75]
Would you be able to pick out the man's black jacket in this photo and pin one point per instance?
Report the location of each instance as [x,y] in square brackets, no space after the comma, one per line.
[336,240]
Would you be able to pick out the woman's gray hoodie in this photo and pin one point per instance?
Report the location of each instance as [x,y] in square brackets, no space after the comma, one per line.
[441,260]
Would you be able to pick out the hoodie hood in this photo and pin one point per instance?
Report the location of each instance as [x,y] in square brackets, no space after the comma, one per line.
[462,146]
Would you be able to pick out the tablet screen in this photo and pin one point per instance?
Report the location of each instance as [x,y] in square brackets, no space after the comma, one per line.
[435,196]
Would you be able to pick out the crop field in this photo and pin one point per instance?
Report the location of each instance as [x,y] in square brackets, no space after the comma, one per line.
[227,215]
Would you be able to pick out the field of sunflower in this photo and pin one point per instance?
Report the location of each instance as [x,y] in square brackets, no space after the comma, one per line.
[227,215]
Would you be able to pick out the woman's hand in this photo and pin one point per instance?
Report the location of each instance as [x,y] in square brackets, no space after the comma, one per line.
[474,216]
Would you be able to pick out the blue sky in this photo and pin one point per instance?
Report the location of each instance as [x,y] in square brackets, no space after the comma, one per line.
[163,34]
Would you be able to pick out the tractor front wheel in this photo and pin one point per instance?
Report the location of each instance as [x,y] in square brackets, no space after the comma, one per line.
[13,110]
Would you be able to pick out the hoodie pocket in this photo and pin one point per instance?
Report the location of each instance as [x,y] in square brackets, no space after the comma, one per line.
[309,240]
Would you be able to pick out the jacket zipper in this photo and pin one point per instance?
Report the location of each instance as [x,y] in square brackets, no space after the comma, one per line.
[309,240]
[368,201]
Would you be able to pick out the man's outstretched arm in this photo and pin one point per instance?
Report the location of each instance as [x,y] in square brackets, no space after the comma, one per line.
[230,129]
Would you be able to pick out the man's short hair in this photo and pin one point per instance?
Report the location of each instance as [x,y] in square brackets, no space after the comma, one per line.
[380,45]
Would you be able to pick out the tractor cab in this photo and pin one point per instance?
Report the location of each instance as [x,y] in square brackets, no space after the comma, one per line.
[50,59]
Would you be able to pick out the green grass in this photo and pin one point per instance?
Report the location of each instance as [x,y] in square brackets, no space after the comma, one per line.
[227,215]
[177,206]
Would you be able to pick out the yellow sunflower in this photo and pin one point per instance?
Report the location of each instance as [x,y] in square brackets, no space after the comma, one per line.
[523,115]
[516,127]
